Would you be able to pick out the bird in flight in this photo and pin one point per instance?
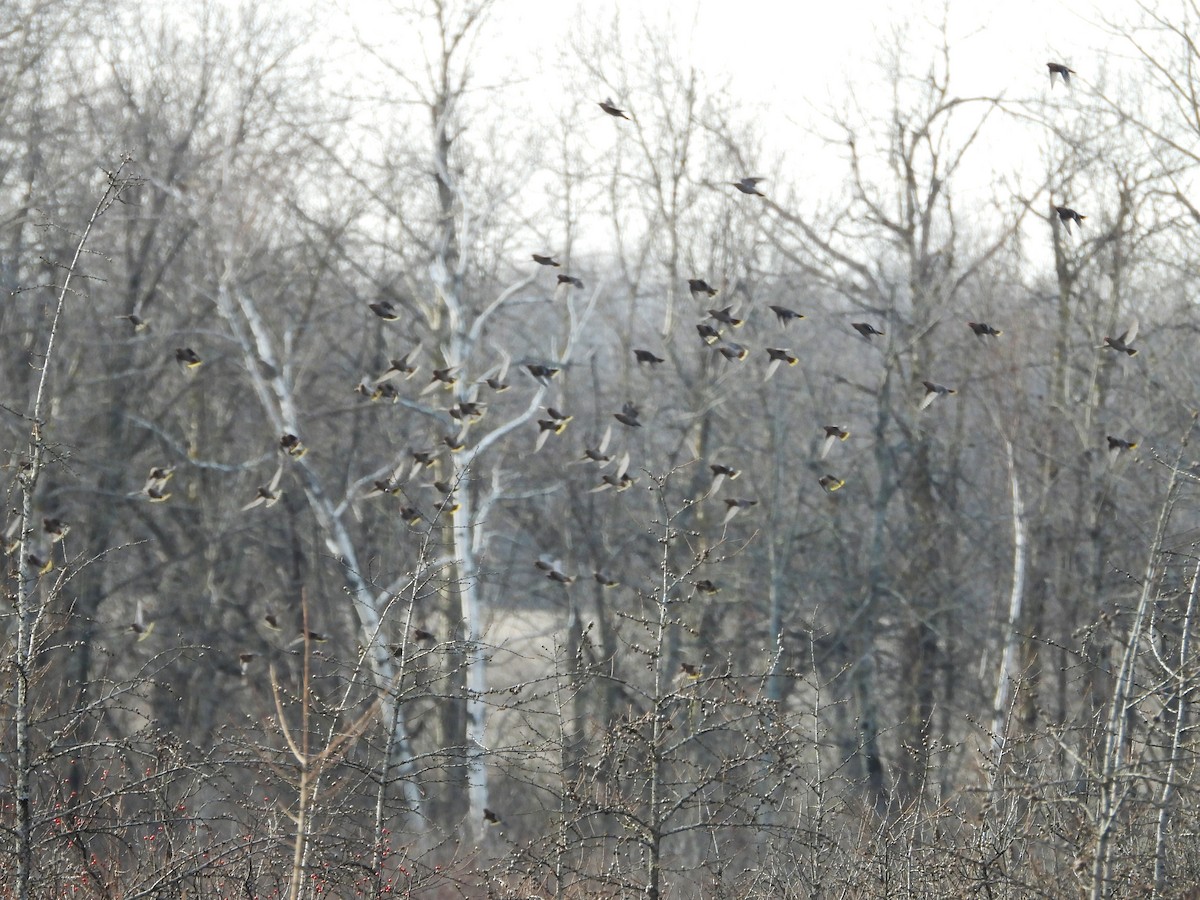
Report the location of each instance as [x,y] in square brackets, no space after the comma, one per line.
[778,356]
[571,280]
[1066,215]
[733,506]
[611,108]
[397,368]
[555,424]
[982,330]
[732,351]
[725,317]
[1061,71]
[708,334]
[292,446]
[187,358]
[267,495]
[545,260]
[831,483]
[721,473]
[139,324]
[699,286]
[833,434]
[540,372]
[1117,446]
[749,185]
[385,310]
[628,415]
[156,483]
[933,391]
[865,329]
[1123,340]
[596,454]
[784,315]
[647,357]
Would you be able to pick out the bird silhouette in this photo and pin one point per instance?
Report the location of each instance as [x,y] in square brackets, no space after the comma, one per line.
[708,334]
[726,317]
[267,495]
[1066,215]
[1117,446]
[385,310]
[571,280]
[749,185]
[545,260]
[933,391]
[831,483]
[1061,71]
[983,330]
[732,351]
[699,286]
[188,358]
[1123,340]
[540,372]
[721,473]
[597,454]
[136,322]
[609,107]
[833,434]
[733,506]
[628,415]
[292,445]
[865,329]
[647,357]
[778,357]
[784,315]
[398,368]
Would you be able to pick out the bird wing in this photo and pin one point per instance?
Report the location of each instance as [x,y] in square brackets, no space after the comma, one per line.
[604,440]
[1130,332]
[772,368]
[827,444]
[622,466]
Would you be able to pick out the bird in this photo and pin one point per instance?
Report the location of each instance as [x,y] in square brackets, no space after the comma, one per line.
[596,454]
[139,625]
[618,479]
[410,516]
[933,391]
[833,434]
[244,660]
[490,817]
[708,334]
[422,459]
[571,280]
[778,356]
[455,442]
[57,529]
[397,368]
[732,351]
[540,372]
[496,380]
[137,322]
[1060,70]
[609,107]
[271,620]
[831,483]
[725,317]
[628,415]
[647,357]
[381,486]
[699,286]
[41,564]
[982,330]
[733,506]
[292,445]
[156,482]
[385,310]
[1123,340]
[707,586]
[720,473]
[784,315]
[1116,446]
[604,580]
[188,358]
[555,424]
[691,670]
[1066,215]
[749,185]
[447,378]
[554,570]
[865,329]
[546,260]
[467,411]
[267,495]
[420,634]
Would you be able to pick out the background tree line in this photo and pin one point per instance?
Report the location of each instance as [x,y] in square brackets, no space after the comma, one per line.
[289,618]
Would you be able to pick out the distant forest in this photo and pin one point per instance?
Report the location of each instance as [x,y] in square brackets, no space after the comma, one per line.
[413,493]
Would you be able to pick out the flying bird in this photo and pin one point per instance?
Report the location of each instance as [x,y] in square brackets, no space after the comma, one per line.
[1061,71]
[628,415]
[619,479]
[540,372]
[571,280]
[57,529]
[831,483]
[546,260]
[865,329]
[1117,446]
[137,322]
[720,473]
[691,670]
[596,454]
[555,424]
[707,586]
[982,330]
[647,357]
[778,356]
[699,286]
[784,315]
[496,380]
[292,445]
[385,310]
[833,434]
[933,391]
[605,580]
[733,506]
[725,317]
[156,482]
[139,625]
[447,378]
[398,368]
[187,358]
[267,495]
[1066,215]
[1123,340]
[749,185]
[708,334]
[732,351]
[609,107]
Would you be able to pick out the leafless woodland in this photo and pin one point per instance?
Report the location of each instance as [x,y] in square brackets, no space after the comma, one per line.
[351,552]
